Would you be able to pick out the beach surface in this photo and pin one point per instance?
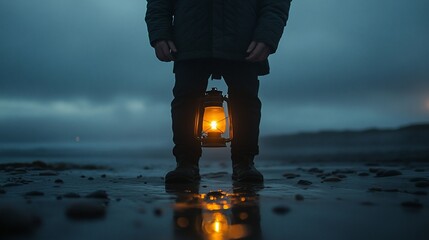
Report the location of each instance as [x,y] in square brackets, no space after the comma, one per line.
[127,199]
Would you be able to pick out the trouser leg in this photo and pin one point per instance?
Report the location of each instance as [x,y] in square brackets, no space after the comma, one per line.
[243,87]
[191,79]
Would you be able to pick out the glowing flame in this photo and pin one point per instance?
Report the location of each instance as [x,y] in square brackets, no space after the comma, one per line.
[213,125]
[217,226]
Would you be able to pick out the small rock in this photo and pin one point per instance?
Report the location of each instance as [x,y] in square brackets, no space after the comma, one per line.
[418,179]
[363,174]
[375,189]
[323,175]
[71,195]
[375,170]
[118,199]
[304,182]
[34,194]
[48,173]
[59,197]
[412,204]
[157,212]
[59,181]
[82,176]
[2,191]
[90,178]
[281,210]
[419,170]
[422,184]
[100,194]
[391,190]
[86,210]
[299,197]
[341,176]
[291,175]
[14,221]
[332,179]
[388,173]
[139,176]
[103,176]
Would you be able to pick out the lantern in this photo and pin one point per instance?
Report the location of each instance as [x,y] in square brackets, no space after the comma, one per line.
[211,120]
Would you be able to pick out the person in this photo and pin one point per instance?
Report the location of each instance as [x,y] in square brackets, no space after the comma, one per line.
[219,38]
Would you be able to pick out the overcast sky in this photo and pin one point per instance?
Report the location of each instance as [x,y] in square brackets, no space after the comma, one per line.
[85,68]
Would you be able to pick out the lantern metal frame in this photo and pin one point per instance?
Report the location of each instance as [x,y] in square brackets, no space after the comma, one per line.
[212,139]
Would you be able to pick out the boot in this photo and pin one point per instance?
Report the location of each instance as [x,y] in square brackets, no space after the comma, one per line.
[243,170]
[187,171]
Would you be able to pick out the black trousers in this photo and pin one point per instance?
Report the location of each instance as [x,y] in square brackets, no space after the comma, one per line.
[191,80]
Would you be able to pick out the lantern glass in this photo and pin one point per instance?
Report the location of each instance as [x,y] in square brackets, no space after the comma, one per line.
[214,120]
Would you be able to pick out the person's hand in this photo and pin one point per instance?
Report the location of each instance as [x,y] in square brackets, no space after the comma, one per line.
[258,51]
[163,50]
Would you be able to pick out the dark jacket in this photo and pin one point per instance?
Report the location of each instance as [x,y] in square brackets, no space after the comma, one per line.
[216,28]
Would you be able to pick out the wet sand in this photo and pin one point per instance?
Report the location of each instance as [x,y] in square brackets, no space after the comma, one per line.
[313,200]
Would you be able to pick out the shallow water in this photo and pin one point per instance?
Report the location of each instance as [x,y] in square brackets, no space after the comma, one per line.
[141,206]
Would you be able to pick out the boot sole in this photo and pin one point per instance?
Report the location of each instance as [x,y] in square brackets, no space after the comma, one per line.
[181,179]
[249,178]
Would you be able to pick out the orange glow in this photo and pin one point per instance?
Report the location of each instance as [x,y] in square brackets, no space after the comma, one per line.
[238,231]
[215,225]
[214,120]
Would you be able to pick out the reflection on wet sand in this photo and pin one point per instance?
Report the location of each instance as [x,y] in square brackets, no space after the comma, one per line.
[218,214]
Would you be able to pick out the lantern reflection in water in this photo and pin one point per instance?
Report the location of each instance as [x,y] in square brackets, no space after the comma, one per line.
[216,215]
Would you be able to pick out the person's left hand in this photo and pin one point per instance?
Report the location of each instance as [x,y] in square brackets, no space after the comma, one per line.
[258,51]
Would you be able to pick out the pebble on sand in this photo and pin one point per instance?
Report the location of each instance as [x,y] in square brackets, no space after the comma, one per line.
[412,204]
[157,212]
[332,179]
[291,175]
[281,210]
[34,193]
[59,181]
[418,179]
[304,182]
[422,184]
[375,189]
[388,173]
[86,210]
[71,195]
[100,194]
[299,197]
[48,173]
[15,221]
[420,193]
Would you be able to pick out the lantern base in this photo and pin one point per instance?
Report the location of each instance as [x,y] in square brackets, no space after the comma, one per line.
[213,140]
